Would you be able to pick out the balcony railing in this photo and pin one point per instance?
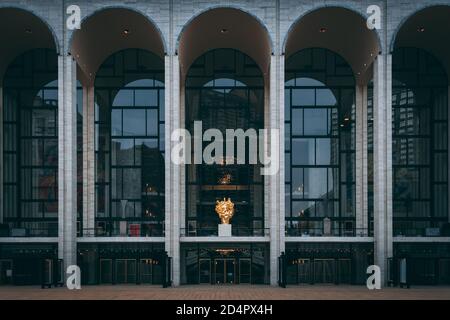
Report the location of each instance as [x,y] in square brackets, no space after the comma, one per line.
[235,232]
[422,232]
[124,229]
[48,231]
[320,232]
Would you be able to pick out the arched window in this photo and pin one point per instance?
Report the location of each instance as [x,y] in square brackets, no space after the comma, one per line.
[419,142]
[129,150]
[30,149]
[319,144]
[224,90]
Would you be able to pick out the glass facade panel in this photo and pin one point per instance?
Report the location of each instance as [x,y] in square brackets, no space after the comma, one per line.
[30,139]
[419,143]
[130,145]
[320,147]
[224,90]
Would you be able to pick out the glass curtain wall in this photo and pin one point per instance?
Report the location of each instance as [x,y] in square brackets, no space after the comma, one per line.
[224,90]
[129,148]
[419,143]
[30,140]
[319,145]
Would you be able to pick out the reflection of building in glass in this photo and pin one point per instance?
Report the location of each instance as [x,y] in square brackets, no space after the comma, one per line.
[232,101]
[319,145]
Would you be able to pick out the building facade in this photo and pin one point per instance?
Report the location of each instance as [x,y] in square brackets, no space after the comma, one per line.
[87,116]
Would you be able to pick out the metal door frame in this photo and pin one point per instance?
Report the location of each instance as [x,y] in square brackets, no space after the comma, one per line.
[249,260]
[233,260]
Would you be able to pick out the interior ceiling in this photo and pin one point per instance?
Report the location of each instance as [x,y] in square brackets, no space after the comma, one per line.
[243,33]
[436,35]
[103,34]
[345,33]
[23,31]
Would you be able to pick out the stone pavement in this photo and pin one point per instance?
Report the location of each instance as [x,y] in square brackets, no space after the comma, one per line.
[142,292]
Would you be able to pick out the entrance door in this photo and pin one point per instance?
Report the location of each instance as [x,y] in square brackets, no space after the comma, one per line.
[6,272]
[423,271]
[345,271]
[205,271]
[146,270]
[324,271]
[304,271]
[125,271]
[225,271]
[106,271]
[245,271]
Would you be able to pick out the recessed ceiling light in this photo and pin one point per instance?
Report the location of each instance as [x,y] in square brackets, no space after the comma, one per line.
[126,32]
[224,31]
[28,30]
[421,29]
[323,30]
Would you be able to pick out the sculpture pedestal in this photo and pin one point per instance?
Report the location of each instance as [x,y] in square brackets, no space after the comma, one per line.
[224,230]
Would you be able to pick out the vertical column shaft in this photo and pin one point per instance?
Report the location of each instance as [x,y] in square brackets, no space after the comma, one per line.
[88,161]
[276,181]
[382,162]
[67,160]
[361,161]
[173,172]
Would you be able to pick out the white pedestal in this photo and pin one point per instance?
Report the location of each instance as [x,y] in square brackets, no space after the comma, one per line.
[224,230]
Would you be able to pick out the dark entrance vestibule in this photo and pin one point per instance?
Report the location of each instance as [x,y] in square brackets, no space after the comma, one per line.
[315,263]
[225,264]
[225,271]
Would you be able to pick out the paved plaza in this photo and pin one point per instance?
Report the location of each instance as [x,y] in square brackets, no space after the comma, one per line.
[136,292]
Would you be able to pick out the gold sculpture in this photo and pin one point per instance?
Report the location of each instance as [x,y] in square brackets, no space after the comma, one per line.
[225,210]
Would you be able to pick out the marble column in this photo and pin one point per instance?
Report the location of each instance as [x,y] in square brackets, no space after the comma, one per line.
[173,178]
[361,161]
[276,181]
[67,160]
[383,162]
[88,161]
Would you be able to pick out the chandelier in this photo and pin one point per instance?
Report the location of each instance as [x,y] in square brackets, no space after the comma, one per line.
[225,179]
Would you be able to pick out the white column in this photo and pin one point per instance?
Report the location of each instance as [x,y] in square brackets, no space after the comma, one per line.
[267,180]
[281,174]
[383,162]
[88,161]
[276,181]
[361,161]
[182,178]
[67,160]
[1,155]
[174,196]
[388,155]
